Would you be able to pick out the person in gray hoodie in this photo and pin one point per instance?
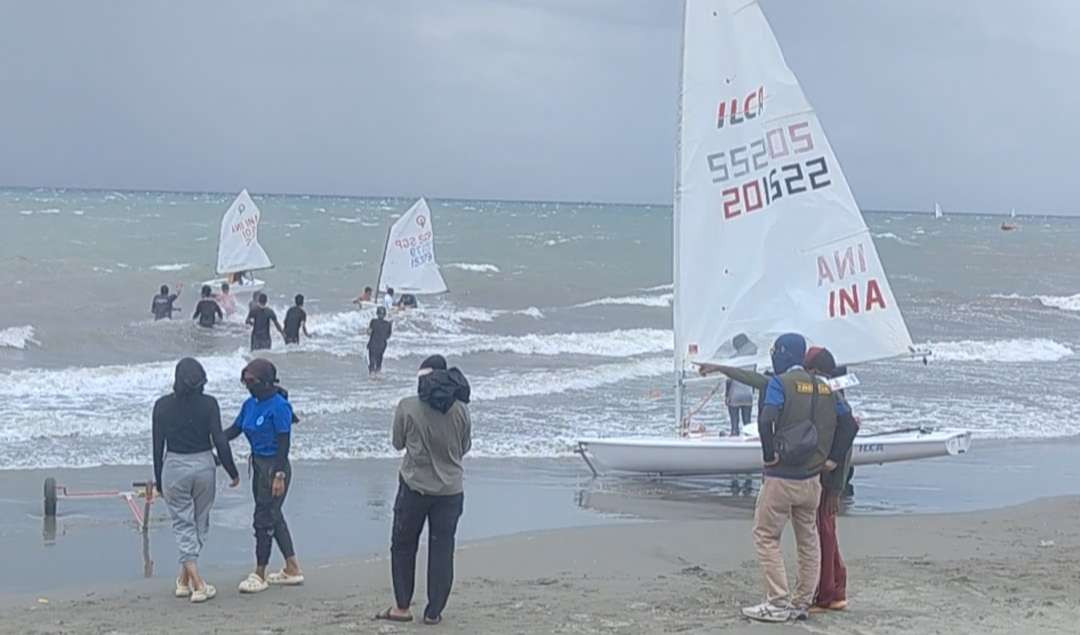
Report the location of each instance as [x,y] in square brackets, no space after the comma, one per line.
[434,429]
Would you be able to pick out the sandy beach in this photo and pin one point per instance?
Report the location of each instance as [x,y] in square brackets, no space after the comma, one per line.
[543,548]
[1005,571]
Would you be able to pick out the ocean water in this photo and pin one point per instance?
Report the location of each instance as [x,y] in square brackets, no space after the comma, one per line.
[559,314]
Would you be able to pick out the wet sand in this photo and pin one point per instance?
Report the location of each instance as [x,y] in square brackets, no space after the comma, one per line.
[544,548]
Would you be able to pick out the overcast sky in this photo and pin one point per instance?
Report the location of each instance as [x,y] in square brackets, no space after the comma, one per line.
[974,103]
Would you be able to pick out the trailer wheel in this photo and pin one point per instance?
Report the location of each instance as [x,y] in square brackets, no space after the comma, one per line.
[50,497]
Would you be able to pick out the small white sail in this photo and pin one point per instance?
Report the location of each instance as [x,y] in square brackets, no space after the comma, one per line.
[408,264]
[1012,213]
[768,237]
[238,246]
[937,211]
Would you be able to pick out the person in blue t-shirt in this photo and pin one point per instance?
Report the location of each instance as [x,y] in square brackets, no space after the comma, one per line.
[266,420]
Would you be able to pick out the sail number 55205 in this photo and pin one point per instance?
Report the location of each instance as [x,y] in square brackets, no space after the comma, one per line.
[787,180]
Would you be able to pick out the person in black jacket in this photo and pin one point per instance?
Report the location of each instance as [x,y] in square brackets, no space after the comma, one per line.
[379,331]
[186,425]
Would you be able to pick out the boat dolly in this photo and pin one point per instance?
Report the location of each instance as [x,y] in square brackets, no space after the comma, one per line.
[143,489]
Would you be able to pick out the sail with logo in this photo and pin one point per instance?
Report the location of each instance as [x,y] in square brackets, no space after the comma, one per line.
[768,240]
[239,251]
[408,264]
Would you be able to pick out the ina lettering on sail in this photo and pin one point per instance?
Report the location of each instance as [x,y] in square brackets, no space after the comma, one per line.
[859,296]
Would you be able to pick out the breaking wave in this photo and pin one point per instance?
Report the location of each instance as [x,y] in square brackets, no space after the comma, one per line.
[18,337]
[892,236]
[478,268]
[662,300]
[1000,351]
[179,266]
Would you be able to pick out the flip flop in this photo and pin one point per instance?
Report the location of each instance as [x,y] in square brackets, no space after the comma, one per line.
[390,617]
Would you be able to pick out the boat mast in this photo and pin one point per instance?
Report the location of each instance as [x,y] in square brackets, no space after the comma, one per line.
[676,209]
[382,263]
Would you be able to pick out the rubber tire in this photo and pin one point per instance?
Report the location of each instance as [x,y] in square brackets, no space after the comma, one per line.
[50,497]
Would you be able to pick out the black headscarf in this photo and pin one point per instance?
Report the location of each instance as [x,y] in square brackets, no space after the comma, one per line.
[267,386]
[190,377]
[440,387]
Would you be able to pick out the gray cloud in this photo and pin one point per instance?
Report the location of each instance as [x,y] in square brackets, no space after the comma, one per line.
[966,102]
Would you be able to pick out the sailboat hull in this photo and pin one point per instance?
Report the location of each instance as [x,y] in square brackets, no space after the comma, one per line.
[741,455]
[249,287]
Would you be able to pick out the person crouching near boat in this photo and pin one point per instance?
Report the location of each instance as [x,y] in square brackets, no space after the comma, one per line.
[832,584]
[797,427]
[266,420]
[434,429]
[186,426]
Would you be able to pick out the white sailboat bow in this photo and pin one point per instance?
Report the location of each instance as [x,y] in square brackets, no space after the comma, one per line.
[238,246]
[768,240]
[408,264]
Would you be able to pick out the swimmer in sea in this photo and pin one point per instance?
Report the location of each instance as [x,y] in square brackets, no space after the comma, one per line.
[296,321]
[207,312]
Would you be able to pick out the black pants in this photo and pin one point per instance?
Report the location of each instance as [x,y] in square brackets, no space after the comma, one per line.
[375,355]
[735,411]
[269,522]
[411,509]
[261,342]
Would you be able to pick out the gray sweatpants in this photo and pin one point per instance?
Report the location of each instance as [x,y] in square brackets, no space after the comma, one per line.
[189,489]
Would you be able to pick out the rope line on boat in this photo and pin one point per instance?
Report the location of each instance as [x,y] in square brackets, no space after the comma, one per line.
[685,423]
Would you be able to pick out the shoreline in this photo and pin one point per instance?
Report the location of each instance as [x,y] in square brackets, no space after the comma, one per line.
[1005,570]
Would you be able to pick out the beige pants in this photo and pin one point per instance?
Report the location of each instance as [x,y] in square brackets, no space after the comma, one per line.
[778,500]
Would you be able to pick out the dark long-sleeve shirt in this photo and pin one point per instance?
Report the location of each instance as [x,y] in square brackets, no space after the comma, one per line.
[187,425]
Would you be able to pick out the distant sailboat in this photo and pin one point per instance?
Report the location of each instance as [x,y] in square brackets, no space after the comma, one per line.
[756,175]
[239,251]
[408,263]
[937,211]
[1009,226]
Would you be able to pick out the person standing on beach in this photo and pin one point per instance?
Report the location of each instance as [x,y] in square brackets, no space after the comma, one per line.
[162,304]
[186,425]
[379,330]
[296,321]
[266,420]
[207,312]
[259,319]
[797,427]
[832,585]
[434,429]
[388,298]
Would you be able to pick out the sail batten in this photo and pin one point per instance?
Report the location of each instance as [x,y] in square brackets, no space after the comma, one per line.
[238,243]
[769,238]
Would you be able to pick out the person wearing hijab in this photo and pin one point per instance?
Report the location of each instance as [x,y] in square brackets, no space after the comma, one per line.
[186,425]
[434,429]
[266,420]
[832,584]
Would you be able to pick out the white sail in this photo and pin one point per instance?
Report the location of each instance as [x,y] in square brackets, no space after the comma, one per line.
[1012,213]
[937,211]
[238,246]
[408,264]
[768,236]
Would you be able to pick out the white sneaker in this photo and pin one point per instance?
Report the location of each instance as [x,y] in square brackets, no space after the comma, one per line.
[199,596]
[182,590]
[253,584]
[768,612]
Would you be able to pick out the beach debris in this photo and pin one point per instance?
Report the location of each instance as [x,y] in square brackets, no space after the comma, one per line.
[1046,543]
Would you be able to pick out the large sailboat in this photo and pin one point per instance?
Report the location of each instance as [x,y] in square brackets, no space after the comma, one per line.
[768,240]
[239,251]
